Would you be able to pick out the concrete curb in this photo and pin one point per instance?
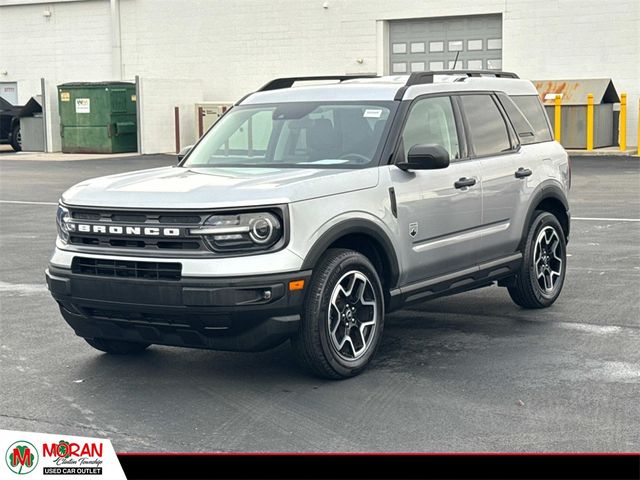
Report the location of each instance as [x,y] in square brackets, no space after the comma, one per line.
[602,152]
[64,157]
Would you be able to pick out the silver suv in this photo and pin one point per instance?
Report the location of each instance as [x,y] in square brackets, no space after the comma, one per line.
[308,212]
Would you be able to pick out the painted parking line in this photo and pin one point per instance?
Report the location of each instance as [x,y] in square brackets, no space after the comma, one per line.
[23,288]
[20,202]
[602,219]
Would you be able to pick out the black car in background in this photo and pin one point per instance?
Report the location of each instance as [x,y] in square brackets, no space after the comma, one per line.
[10,124]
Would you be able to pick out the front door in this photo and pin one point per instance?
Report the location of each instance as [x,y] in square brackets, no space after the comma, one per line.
[439,211]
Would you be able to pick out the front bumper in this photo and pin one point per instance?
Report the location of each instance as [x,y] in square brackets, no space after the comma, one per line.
[232,313]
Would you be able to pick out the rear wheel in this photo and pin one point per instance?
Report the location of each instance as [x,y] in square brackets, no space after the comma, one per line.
[343,316]
[541,276]
[16,138]
[116,347]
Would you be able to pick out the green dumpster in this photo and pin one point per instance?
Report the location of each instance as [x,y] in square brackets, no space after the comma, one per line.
[98,117]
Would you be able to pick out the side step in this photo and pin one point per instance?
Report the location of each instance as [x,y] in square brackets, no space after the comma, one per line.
[468,279]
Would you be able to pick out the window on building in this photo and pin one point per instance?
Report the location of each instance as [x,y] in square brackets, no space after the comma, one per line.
[436,46]
[474,45]
[456,45]
[494,64]
[431,121]
[487,128]
[494,44]
[399,67]
[399,48]
[474,64]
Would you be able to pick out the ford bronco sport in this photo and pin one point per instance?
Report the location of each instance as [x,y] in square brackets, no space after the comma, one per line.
[308,212]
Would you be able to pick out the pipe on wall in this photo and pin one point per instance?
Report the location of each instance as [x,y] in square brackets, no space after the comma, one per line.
[116,44]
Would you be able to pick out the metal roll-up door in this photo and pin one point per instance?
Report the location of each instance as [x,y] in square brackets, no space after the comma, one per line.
[418,45]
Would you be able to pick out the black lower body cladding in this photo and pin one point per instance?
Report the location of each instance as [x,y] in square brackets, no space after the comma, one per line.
[236,313]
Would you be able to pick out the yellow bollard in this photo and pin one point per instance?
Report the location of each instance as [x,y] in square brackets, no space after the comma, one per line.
[590,121]
[623,122]
[557,118]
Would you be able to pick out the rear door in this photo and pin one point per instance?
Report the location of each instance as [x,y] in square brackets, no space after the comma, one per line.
[494,144]
[438,216]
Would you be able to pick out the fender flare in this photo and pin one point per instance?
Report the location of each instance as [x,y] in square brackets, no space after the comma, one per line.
[545,191]
[355,226]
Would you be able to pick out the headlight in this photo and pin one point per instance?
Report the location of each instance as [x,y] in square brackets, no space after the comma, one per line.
[241,232]
[62,222]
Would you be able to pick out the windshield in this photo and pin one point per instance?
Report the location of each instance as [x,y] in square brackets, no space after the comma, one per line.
[304,134]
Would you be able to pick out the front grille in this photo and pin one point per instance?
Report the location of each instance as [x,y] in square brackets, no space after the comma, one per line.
[185,243]
[127,269]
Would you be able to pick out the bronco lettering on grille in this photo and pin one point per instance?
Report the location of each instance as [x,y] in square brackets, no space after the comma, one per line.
[124,230]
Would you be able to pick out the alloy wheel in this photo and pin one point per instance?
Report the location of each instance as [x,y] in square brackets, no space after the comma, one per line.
[353,315]
[547,259]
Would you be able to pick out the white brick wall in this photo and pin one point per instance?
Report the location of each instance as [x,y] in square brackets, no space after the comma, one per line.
[73,44]
[235,46]
[158,97]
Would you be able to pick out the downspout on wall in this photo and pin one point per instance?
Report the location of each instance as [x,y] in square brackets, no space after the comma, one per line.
[116,44]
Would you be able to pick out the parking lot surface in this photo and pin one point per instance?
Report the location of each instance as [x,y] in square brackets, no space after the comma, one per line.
[471,372]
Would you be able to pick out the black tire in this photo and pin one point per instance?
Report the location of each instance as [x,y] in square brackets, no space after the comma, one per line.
[117,347]
[16,139]
[528,290]
[313,345]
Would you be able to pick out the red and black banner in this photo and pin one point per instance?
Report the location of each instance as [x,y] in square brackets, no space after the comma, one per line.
[381,466]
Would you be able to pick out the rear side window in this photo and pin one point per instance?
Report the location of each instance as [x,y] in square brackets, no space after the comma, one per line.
[487,128]
[526,132]
[534,112]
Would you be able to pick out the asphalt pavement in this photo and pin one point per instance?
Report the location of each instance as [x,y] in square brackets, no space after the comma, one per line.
[471,372]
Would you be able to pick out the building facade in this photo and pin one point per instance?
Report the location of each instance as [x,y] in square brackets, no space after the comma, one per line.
[218,50]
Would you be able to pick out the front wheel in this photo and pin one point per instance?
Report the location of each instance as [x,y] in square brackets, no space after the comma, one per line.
[116,347]
[343,316]
[541,276]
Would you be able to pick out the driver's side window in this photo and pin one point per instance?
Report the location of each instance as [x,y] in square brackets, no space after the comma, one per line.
[431,121]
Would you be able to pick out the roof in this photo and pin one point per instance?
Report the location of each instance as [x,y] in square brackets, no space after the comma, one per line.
[574,92]
[95,84]
[34,105]
[9,109]
[385,88]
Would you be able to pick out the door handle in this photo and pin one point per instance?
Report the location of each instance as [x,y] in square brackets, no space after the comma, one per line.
[465,182]
[523,172]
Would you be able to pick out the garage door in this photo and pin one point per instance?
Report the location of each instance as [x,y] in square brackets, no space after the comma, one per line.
[433,43]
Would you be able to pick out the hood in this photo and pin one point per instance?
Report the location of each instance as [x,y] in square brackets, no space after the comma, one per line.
[177,187]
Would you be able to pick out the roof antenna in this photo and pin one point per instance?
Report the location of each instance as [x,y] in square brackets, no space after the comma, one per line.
[456,60]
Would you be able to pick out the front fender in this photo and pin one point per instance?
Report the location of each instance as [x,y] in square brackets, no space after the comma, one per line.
[337,228]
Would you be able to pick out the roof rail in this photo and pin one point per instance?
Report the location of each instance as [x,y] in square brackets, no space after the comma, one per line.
[287,82]
[420,78]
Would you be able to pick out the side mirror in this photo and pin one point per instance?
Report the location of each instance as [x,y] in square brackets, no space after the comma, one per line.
[425,157]
[183,152]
